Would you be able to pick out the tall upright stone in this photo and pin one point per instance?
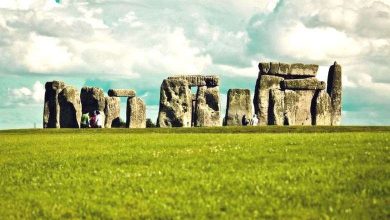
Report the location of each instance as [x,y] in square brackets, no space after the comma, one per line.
[92,99]
[135,113]
[322,109]
[276,107]
[262,92]
[70,107]
[175,104]
[334,90]
[238,106]
[51,111]
[112,112]
[298,107]
[207,112]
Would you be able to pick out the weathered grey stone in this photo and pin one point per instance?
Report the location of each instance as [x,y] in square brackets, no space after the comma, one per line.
[112,112]
[136,113]
[334,90]
[198,80]
[322,109]
[51,110]
[262,91]
[311,83]
[297,106]
[207,112]
[121,93]
[276,107]
[92,99]
[288,70]
[238,105]
[175,104]
[70,107]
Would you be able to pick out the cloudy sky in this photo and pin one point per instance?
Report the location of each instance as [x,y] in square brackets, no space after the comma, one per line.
[137,43]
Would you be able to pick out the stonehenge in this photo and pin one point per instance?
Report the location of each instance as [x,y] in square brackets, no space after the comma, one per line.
[289,94]
[180,108]
[285,94]
[238,106]
[64,106]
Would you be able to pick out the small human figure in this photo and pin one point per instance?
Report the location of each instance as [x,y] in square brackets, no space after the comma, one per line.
[244,121]
[99,120]
[92,119]
[255,120]
[85,120]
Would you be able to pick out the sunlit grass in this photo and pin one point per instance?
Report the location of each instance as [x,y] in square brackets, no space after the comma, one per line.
[196,173]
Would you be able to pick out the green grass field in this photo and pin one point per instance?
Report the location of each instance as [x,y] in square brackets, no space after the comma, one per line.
[220,173]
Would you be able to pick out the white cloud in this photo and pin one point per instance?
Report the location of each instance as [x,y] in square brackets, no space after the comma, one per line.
[28,96]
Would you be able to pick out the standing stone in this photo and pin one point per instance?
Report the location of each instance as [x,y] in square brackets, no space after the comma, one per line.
[112,112]
[276,106]
[238,105]
[322,109]
[92,99]
[51,111]
[262,91]
[175,104]
[70,107]
[298,107]
[136,113]
[207,112]
[334,90]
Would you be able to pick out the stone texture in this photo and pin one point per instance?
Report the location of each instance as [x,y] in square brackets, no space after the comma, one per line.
[92,99]
[112,112]
[334,90]
[51,110]
[198,80]
[298,107]
[322,109]
[70,107]
[288,70]
[121,93]
[262,91]
[303,84]
[136,113]
[276,107]
[207,112]
[238,105]
[175,104]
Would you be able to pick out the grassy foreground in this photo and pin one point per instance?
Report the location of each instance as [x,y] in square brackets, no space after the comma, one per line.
[228,173]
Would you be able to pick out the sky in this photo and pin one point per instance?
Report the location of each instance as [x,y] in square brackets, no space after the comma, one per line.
[137,43]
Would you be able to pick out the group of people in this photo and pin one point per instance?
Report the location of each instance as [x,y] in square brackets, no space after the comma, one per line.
[254,121]
[92,119]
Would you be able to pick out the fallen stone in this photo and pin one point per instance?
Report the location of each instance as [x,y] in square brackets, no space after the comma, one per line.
[121,93]
[261,99]
[70,107]
[136,113]
[175,104]
[238,105]
[322,109]
[51,110]
[112,112]
[297,106]
[207,112]
[303,84]
[276,106]
[334,90]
